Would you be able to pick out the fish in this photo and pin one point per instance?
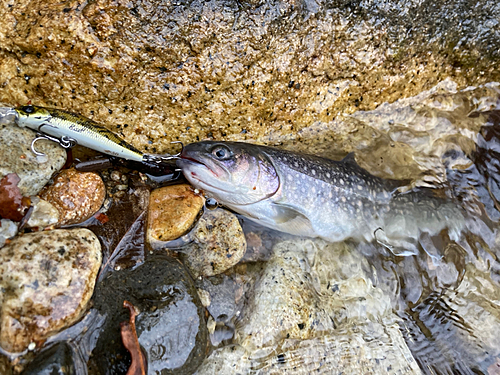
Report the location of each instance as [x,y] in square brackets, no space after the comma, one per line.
[73,129]
[311,196]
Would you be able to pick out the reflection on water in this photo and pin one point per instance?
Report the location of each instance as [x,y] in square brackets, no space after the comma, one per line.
[357,308]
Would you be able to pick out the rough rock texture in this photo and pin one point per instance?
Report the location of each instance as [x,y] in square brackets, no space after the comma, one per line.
[315,310]
[46,280]
[218,243]
[162,71]
[8,229]
[44,214]
[17,157]
[76,195]
[172,212]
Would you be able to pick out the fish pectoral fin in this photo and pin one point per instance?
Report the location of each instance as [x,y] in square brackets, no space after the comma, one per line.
[289,220]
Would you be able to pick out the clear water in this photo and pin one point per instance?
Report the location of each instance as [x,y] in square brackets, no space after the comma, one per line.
[368,310]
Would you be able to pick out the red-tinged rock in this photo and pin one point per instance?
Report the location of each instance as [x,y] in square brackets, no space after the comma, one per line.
[12,203]
[76,195]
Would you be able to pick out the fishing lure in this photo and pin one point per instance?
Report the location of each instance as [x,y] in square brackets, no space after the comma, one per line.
[69,129]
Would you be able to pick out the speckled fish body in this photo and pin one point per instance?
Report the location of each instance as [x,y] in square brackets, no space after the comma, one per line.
[315,197]
[85,132]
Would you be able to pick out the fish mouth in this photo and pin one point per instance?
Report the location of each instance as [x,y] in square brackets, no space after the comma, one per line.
[204,185]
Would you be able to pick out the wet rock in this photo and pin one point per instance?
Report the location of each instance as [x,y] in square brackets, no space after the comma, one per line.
[219,293]
[172,212]
[17,157]
[170,327]
[44,214]
[46,280]
[56,360]
[8,229]
[76,195]
[218,243]
[314,309]
[256,70]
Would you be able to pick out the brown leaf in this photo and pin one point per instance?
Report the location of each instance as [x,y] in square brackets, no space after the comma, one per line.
[131,342]
[12,203]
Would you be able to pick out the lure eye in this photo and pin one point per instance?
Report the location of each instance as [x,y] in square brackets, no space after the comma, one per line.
[28,109]
[221,152]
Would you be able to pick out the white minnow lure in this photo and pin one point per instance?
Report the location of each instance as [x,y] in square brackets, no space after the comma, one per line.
[69,129]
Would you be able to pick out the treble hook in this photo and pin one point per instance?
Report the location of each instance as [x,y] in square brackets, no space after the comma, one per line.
[387,246]
[64,141]
[162,158]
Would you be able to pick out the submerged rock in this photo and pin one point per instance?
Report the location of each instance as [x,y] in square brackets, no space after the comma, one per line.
[315,310]
[46,279]
[217,244]
[17,157]
[172,212]
[56,360]
[76,195]
[170,326]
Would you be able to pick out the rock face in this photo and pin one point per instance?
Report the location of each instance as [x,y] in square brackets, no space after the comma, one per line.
[17,157]
[46,280]
[76,195]
[315,310]
[216,244]
[261,70]
[172,212]
[170,327]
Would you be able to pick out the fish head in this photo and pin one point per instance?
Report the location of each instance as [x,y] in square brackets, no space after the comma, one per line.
[32,116]
[233,173]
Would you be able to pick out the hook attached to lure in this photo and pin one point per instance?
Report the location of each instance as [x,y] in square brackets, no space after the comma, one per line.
[64,141]
[156,158]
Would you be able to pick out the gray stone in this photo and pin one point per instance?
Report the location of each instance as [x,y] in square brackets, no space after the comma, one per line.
[8,229]
[17,157]
[216,244]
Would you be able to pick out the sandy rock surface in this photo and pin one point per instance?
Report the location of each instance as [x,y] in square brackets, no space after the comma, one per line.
[46,280]
[17,157]
[218,243]
[76,195]
[258,70]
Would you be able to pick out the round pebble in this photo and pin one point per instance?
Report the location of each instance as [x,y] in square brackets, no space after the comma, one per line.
[76,195]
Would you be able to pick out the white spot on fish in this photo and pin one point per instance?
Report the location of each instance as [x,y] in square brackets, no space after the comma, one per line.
[328,174]
[343,199]
[295,164]
[360,187]
[313,172]
[341,181]
[330,195]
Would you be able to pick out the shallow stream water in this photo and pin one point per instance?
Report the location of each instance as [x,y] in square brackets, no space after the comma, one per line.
[446,310]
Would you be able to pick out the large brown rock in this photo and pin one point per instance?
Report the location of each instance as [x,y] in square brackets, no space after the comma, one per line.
[260,70]
[46,281]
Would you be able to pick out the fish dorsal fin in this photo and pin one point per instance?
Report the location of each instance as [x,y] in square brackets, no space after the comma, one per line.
[290,220]
[350,159]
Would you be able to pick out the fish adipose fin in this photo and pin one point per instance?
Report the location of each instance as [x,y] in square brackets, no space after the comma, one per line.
[295,222]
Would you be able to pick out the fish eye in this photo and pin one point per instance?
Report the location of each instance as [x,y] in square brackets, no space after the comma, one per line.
[28,109]
[221,152]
